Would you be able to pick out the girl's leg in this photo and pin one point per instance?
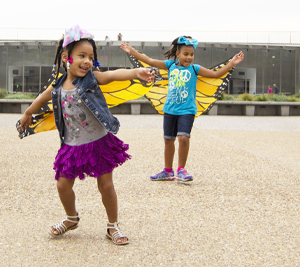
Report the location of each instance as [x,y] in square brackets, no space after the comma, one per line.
[109,199]
[67,198]
[170,132]
[183,150]
[185,124]
[169,153]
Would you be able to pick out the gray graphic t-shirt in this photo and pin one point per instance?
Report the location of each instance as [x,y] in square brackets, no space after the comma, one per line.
[81,126]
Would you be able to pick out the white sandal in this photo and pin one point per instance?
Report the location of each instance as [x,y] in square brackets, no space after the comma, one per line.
[61,228]
[116,235]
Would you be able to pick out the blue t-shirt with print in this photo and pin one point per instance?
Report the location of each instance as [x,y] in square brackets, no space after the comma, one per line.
[181,98]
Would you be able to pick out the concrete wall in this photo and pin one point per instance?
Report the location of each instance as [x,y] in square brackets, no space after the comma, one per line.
[137,107]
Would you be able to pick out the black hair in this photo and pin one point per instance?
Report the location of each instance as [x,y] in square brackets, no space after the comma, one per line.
[174,47]
[69,48]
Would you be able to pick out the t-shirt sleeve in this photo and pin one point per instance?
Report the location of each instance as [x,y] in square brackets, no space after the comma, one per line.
[197,68]
[169,63]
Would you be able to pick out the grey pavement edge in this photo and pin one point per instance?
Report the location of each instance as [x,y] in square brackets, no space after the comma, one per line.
[242,123]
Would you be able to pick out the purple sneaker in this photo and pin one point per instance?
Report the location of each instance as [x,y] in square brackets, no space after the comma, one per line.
[163,176]
[184,176]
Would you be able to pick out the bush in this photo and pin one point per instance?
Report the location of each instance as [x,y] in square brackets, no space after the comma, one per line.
[278,98]
[267,97]
[3,93]
[244,97]
[226,97]
[20,96]
[260,98]
[293,98]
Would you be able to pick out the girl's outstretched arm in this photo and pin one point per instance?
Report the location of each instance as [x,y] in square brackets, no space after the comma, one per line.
[152,62]
[216,74]
[123,75]
[26,119]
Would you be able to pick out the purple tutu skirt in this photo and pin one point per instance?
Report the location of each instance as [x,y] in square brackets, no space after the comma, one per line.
[93,159]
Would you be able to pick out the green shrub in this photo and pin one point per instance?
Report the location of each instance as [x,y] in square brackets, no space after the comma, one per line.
[3,93]
[244,97]
[260,98]
[280,98]
[266,97]
[293,98]
[227,97]
[20,96]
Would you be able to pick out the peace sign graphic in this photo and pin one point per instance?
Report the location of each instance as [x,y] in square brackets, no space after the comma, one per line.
[184,93]
[185,75]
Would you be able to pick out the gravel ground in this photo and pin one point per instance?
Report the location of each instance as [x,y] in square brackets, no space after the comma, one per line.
[242,209]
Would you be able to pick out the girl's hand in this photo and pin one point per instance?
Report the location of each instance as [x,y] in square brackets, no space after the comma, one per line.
[126,47]
[238,58]
[26,120]
[145,74]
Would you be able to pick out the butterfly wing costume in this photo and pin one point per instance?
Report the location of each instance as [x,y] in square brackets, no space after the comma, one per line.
[208,90]
[115,93]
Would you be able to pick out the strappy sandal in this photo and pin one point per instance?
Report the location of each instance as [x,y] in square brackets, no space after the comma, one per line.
[116,235]
[61,228]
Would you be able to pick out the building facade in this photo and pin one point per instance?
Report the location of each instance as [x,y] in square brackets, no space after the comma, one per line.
[26,66]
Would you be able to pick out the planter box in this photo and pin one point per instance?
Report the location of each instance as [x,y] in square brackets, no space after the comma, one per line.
[252,108]
[136,107]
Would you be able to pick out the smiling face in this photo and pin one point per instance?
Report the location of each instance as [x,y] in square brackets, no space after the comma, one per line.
[185,55]
[83,56]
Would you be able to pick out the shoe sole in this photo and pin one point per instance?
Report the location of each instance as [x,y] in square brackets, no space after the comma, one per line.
[116,243]
[164,179]
[184,180]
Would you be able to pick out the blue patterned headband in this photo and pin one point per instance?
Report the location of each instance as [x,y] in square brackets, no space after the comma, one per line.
[188,41]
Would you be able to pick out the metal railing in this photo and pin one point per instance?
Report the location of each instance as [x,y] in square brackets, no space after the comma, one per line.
[248,37]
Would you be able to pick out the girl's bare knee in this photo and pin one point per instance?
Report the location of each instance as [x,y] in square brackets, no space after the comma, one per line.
[106,187]
[64,185]
[169,141]
[183,140]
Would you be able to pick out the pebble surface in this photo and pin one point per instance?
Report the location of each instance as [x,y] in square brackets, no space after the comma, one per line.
[242,209]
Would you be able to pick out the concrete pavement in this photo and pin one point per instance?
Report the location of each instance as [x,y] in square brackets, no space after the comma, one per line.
[242,209]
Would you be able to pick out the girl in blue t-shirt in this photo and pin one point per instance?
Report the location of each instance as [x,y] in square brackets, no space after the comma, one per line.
[180,106]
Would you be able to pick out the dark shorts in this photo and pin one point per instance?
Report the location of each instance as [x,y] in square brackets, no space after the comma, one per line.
[175,125]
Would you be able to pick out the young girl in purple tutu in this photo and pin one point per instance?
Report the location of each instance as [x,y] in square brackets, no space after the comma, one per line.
[86,127]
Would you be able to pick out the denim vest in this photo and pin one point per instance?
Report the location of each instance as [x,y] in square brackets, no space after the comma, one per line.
[91,95]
